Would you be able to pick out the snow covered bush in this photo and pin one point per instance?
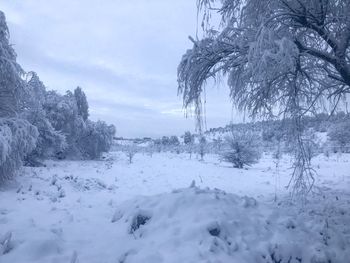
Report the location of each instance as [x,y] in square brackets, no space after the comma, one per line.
[241,149]
[188,138]
[165,141]
[174,141]
[17,139]
[50,142]
[97,137]
[339,135]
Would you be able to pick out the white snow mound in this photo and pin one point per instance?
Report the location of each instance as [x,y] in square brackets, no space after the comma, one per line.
[202,225]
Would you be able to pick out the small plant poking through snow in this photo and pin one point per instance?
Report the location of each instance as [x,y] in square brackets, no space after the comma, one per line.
[241,150]
[5,243]
[138,221]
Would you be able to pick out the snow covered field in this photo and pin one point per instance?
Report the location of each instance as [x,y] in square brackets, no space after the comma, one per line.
[159,209]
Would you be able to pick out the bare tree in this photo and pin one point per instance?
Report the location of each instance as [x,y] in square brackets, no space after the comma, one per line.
[130,151]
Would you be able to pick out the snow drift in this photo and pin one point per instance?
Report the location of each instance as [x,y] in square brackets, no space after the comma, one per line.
[203,225]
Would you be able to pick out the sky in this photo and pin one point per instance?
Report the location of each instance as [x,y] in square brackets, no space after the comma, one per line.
[124,54]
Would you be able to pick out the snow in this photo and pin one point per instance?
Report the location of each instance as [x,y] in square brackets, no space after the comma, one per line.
[168,208]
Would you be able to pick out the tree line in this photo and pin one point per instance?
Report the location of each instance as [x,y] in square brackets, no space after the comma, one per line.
[36,123]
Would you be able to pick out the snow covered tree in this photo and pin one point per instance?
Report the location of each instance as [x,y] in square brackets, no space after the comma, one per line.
[97,138]
[158,145]
[217,144]
[202,147]
[165,141]
[130,151]
[82,103]
[28,111]
[241,149]
[281,57]
[188,138]
[50,141]
[11,83]
[17,139]
[189,142]
[85,139]
[17,136]
[340,135]
[62,112]
[174,141]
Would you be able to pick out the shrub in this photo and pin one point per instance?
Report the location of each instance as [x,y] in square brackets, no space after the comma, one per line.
[241,149]
[97,138]
[340,135]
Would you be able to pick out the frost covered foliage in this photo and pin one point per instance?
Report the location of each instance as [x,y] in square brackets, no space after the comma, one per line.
[63,125]
[84,138]
[17,136]
[50,141]
[241,149]
[188,138]
[17,139]
[11,84]
[189,142]
[96,139]
[288,53]
[82,103]
[339,135]
[62,112]
[281,58]
[37,124]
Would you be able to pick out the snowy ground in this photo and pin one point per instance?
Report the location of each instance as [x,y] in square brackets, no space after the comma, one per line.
[112,211]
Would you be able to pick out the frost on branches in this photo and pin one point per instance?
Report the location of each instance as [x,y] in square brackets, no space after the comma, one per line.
[241,149]
[17,139]
[36,124]
[282,59]
[17,136]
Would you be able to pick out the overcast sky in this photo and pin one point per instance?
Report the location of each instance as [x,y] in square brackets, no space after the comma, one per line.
[124,54]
